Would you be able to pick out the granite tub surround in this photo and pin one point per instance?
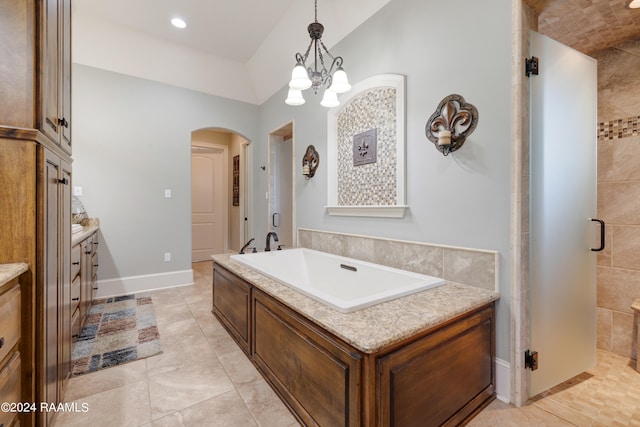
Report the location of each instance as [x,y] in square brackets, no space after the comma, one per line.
[374,328]
[9,272]
[472,267]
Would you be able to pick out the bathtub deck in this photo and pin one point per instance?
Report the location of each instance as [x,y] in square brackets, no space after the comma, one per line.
[374,328]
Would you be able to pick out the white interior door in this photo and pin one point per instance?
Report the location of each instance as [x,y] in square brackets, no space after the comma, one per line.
[563,200]
[209,204]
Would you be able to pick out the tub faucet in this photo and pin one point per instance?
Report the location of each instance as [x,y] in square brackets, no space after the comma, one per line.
[245,245]
[268,244]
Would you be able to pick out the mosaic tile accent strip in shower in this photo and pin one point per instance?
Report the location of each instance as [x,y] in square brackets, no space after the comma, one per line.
[372,184]
[618,129]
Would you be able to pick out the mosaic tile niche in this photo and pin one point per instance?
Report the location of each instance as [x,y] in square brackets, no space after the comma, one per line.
[372,184]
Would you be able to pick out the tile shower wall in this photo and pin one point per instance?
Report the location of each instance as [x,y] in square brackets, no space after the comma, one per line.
[473,267]
[619,195]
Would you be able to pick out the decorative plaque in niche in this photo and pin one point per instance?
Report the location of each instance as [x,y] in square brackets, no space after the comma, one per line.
[365,147]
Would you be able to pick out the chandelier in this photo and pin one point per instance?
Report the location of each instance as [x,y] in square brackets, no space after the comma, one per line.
[304,77]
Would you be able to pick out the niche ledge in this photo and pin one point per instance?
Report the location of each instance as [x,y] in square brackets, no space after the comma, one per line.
[370,211]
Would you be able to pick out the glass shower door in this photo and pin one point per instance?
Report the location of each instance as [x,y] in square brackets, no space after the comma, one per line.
[563,201]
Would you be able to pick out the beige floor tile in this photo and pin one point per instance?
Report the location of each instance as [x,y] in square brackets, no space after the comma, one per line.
[126,406]
[239,368]
[191,353]
[500,414]
[227,409]
[177,333]
[184,387]
[265,405]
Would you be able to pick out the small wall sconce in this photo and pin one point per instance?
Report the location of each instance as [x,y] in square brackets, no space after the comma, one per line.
[310,162]
[452,122]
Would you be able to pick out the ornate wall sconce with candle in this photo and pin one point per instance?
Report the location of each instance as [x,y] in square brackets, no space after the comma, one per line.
[452,122]
[310,162]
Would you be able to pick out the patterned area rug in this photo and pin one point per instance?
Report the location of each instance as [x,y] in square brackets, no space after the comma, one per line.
[117,330]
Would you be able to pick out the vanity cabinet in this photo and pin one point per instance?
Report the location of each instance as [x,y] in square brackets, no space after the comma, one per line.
[441,376]
[10,338]
[87,277]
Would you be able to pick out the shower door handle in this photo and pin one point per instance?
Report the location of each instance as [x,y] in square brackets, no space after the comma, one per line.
[602,239]
[275,220]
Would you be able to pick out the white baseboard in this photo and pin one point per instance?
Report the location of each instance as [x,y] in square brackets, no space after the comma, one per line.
[503,380]
[144,283]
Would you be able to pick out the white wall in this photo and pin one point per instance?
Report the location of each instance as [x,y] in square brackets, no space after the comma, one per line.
[132,140]
[457,46]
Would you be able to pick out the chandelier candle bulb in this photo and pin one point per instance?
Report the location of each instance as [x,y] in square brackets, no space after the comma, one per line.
[444,137]
[330,99]
[294,97]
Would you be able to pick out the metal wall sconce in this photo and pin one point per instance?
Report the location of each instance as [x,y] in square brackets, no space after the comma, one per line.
[452,122]
[310,162]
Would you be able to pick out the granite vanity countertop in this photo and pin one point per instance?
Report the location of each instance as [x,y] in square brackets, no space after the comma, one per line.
[374,328]
[89,226]
[9,272]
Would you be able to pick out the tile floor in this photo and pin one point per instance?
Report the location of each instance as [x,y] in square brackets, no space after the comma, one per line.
[204,379]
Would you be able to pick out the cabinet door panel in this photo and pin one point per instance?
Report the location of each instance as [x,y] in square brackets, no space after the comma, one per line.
[49,75]
[10,311]
[231,305]
[447,372]
[65,81]
[49,297]
[315,375]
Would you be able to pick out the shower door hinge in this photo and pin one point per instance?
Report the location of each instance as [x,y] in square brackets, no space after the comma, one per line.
[531,360]
[531,66]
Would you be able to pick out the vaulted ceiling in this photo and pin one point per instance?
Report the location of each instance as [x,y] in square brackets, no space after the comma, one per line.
[244,49]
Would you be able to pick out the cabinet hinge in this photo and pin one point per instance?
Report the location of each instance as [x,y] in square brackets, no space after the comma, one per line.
[531,66]
[531,360]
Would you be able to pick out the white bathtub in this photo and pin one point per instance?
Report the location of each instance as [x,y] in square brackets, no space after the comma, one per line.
[343,283]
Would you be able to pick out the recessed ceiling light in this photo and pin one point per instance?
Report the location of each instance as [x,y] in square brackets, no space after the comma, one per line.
[633,4]
[178,23]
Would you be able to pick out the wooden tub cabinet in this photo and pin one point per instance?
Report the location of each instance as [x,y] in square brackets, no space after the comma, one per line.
[441,376]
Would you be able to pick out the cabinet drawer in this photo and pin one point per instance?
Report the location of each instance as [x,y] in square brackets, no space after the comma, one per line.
[75,293]
[75,260]
[10,309]
[10,387]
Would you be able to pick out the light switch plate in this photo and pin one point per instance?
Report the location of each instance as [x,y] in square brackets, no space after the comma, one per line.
[167,193]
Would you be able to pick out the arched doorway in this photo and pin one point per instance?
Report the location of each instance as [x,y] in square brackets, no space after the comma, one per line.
[219,192]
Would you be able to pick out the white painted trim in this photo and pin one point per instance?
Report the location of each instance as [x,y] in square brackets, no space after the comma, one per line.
[503,380]
[396,81]
[370,211]
[143,283]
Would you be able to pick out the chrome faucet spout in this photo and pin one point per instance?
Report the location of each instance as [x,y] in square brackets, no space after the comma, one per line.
[246,245]
[267,247]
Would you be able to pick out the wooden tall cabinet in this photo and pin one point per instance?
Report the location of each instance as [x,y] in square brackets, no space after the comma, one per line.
[35,195]
[54,119]
[54,301]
